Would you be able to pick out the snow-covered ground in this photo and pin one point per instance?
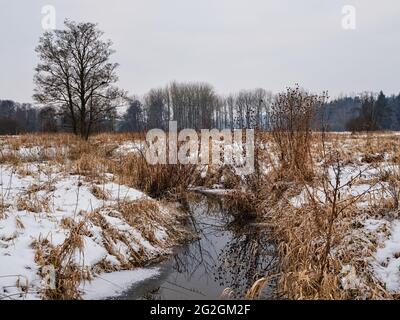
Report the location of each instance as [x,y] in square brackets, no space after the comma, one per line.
[129,147]
[39,200]
[114,284]
[368,187]
[387,259]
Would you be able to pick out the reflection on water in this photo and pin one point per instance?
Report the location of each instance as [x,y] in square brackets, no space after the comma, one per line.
[226,256]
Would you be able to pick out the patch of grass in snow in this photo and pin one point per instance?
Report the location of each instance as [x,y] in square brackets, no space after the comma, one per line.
[68,274]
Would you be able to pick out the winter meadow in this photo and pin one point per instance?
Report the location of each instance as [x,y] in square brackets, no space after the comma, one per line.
[186,191]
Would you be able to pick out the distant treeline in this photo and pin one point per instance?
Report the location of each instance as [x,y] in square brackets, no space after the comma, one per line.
[17,118]
[364,112]
[198,106]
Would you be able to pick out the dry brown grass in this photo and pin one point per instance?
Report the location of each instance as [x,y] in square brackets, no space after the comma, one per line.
[68,275]
[33,203]
[97,163]
[145,213]
[111,236]
[99,193]
[158,181]
[318,241]
[144,216]
[3,208]
[94,158]
[309,268]
[301,239]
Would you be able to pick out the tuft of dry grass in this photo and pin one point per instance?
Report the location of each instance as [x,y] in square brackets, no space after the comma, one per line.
[145,214]
[158,181]
[19,223]
[99,193]
[32,203]
[68,275]
[254,292]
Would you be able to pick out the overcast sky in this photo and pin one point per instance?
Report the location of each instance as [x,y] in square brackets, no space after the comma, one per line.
[231,44]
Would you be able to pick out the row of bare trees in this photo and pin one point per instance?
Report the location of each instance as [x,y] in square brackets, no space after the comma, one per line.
[16,118]
[198,106]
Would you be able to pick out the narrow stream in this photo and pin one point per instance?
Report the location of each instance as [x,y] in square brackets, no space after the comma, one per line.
[228,256]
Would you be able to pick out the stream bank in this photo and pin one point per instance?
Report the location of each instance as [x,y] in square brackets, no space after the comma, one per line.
[224,262]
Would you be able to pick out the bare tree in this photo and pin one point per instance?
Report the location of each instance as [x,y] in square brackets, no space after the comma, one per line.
[133,119]
[47,120]
[156,107]
[75,76]
[194,105]
[251,108]
[230,101]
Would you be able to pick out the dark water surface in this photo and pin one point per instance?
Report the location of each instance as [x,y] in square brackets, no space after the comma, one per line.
[228,257]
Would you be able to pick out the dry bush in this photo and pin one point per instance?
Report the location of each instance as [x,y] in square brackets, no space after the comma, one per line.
[158,181]
[318,239]
[290,119]
[242,205]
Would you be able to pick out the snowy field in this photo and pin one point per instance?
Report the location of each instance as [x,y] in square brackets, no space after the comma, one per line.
[366,242]
[62,204]
[44,204]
